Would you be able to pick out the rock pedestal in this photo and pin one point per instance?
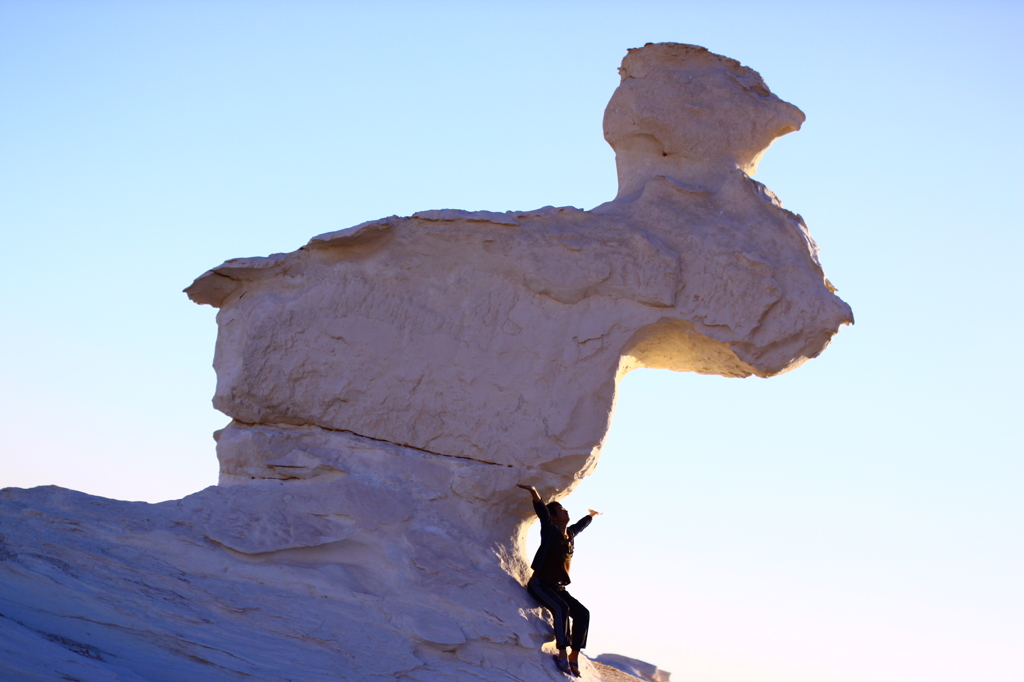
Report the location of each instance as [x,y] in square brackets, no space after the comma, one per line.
[390,383]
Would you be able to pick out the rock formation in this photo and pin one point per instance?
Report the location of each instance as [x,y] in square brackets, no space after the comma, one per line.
[388,386]
[633,667]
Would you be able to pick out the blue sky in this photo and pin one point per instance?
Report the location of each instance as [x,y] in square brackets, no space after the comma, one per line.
[857,520]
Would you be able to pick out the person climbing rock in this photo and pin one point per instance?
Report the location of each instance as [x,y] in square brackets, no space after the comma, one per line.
[551,575]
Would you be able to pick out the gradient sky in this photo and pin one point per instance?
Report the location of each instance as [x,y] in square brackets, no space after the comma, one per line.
[857,520]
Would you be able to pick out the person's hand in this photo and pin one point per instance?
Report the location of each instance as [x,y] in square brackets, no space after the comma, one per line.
[593,513]
[533,491]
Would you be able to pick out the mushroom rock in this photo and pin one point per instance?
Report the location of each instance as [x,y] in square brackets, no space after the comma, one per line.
[390,383]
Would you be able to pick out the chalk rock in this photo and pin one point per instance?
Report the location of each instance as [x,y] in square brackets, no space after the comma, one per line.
[369,574]
[635,667]
[193,589]
[500,337]
[685,113]
[390,383]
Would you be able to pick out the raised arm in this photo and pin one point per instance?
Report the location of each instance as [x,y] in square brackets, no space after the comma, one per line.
[533,491]
[578,527]
[538,504]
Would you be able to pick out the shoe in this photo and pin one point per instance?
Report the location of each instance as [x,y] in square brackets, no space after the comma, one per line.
[563,665]
[574,668]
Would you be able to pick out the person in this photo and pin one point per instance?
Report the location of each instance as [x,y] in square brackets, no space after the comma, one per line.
[551,575]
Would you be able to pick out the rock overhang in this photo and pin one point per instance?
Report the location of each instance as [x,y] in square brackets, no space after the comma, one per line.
[500,336]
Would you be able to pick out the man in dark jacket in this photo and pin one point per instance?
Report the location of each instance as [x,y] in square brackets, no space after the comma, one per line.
[551,575]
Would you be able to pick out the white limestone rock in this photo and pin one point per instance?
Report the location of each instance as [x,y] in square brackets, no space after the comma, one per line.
[500,337]
[96,589]
[634,667]
[686,113]
[390,383]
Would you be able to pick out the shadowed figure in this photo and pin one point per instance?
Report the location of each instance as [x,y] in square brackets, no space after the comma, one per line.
[551,575]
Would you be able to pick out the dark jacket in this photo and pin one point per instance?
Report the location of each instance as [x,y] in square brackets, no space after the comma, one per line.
[551,563]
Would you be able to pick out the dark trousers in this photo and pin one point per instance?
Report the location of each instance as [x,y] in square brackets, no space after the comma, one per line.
[563,606]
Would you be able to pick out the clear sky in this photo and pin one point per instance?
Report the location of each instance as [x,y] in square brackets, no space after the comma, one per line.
[857,520]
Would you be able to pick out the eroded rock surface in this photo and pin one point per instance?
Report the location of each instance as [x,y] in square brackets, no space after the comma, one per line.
[500,336]
[390,383]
